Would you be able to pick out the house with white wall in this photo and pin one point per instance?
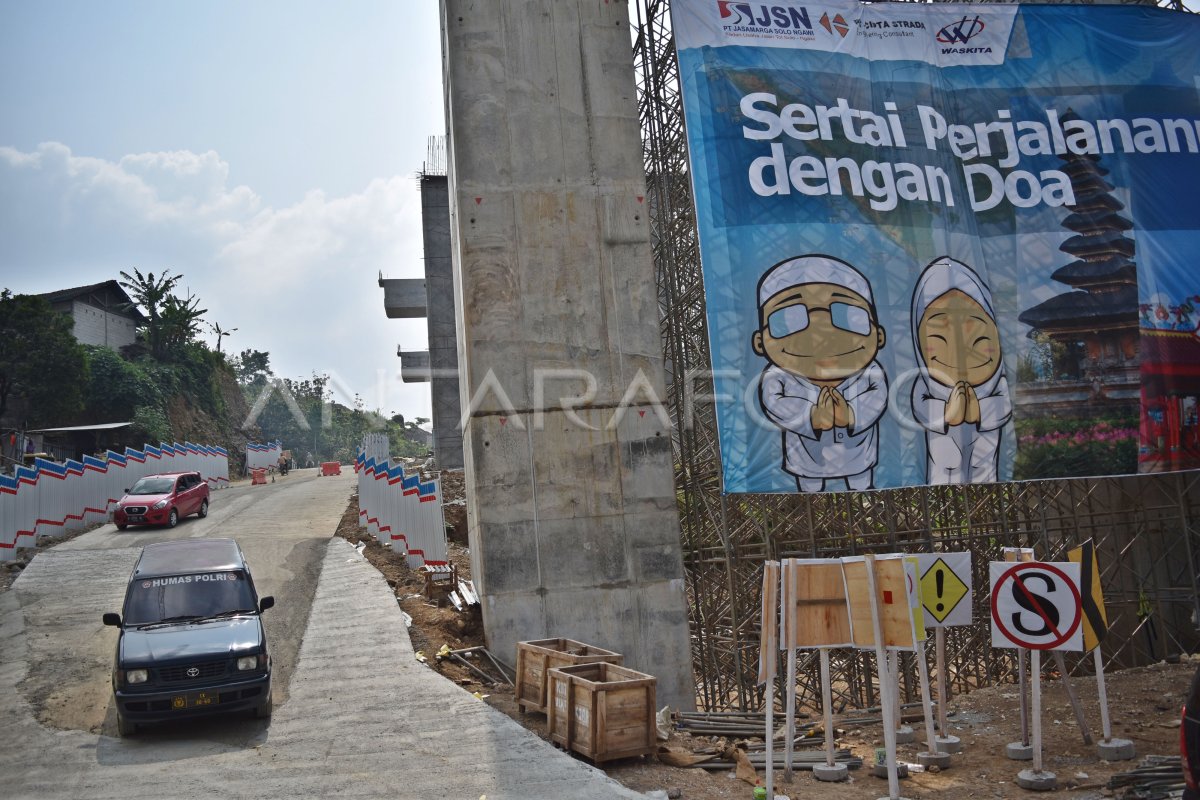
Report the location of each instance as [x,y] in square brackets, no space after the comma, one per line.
[102,312]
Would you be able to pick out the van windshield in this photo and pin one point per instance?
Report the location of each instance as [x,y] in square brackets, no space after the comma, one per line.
[181,598]
[153,486]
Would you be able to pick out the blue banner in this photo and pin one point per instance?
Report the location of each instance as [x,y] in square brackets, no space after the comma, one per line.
[945,243]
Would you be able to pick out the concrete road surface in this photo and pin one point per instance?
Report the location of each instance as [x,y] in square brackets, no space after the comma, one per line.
[355,714]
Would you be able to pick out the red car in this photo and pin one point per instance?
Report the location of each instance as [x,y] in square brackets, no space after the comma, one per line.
[162,500]
[1189,741]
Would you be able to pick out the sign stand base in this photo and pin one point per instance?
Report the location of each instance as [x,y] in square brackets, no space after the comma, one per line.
[1019,751]
[1036,781]
[905,734]
[881,770]
[1116,750]
[831,773]
[939,760]
[949,744]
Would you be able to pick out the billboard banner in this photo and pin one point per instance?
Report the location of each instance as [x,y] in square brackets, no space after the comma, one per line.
[945,243]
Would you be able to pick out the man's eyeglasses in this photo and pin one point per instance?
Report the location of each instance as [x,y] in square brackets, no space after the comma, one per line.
[793,319]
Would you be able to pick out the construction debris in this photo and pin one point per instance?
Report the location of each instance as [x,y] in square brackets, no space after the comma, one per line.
[1156,778]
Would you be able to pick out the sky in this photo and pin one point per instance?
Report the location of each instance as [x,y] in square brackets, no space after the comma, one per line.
[267,151]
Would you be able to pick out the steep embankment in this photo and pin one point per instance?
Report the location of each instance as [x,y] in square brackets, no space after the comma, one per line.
[190,422]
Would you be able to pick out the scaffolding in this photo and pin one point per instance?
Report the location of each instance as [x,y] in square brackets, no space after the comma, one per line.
[1146,528]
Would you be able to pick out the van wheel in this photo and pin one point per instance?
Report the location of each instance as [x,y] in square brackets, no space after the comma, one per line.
[203,512]
[125,727]
[173,518]
[264,710]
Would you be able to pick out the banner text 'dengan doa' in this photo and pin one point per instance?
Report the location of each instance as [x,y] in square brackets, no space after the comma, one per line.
[945,243]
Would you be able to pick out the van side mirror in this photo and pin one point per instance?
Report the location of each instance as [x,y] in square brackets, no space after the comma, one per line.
[112,619]
[265,603]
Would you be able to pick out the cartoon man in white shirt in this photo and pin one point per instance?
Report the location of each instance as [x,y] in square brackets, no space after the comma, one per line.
[823,386]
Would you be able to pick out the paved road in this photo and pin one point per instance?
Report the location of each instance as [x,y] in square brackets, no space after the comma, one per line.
[356,715]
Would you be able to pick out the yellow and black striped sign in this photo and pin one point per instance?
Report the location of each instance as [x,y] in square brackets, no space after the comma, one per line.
[1095,620]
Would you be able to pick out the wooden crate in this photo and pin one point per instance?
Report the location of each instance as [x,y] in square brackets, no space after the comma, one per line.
[603,711]
[536,658]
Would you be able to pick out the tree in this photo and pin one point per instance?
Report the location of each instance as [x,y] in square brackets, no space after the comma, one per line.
[221,333]
[170,320]
[180,321]
[252,367]
[40,361]
[117,388]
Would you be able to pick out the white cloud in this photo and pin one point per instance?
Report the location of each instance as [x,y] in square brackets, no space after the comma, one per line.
[298,281]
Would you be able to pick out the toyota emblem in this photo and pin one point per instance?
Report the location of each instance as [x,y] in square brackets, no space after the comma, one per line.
[193,672]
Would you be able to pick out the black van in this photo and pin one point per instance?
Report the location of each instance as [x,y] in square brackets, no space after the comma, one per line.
[192,641]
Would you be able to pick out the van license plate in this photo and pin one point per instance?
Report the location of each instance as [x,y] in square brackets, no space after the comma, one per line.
[137,518]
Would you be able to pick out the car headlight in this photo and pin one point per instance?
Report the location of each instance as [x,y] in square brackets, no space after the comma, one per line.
[247,662]
[160,504]
[136,676]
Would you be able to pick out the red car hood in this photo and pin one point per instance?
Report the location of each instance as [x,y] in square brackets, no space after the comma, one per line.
[142,499]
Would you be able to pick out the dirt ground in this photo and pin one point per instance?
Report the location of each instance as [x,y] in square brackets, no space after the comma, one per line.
[1144,703]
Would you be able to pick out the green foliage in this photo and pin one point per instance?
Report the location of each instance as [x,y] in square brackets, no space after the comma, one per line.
[40,361]
[252,367]
[116,387]
[150,424]
[330,431]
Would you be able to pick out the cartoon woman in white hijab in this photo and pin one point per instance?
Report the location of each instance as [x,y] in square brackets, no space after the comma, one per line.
[961,396]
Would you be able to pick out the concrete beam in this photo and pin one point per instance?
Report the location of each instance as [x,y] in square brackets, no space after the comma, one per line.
[414,365]
[404,298]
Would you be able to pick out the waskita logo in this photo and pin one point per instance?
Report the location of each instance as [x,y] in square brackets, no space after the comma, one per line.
[740,16]
[960,33]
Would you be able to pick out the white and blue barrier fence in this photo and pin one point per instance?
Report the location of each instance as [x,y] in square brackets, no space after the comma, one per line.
[402,511]
[49,498]
[261,456]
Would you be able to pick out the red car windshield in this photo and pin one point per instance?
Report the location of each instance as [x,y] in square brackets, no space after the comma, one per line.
[153,486]
[187,597]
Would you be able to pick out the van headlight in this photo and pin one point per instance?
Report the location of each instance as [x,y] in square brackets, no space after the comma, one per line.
[136,676]
[247,662]
[160,504]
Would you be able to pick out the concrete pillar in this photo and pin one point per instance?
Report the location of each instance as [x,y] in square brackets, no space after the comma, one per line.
[574,528]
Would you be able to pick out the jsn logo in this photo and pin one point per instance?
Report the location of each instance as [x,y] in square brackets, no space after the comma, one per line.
[960,32]
[763,16]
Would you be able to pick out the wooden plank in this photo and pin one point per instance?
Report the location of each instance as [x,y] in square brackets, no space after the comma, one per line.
[891,597]
[768,641]
[818,613]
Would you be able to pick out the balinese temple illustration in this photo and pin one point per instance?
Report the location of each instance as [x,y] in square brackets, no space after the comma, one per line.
[1093,330]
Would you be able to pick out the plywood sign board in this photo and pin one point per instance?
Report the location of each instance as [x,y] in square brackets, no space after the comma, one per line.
[912,585]
[768,642]
[892,578]
[1014,554]
[816,613]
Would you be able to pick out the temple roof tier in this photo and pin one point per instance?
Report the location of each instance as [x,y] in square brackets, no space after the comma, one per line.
[1080,309]
[1095,201]
[1096,221]
[1096,246]
[1116,269]
[1081,167]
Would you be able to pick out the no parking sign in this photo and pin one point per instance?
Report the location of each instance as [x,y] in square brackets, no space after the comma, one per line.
[1036,605]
